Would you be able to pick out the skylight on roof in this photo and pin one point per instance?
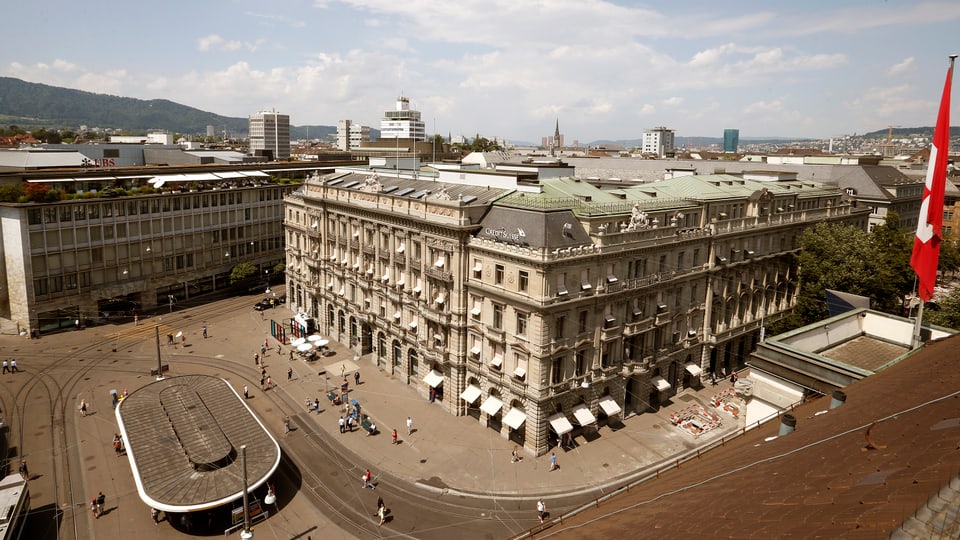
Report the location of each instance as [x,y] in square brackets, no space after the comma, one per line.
[335,182]
[389,189]
[420,194]
[469,199]
[351,184]
[404,191]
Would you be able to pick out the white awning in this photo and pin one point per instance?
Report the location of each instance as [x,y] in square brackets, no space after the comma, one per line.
[345,261]
[418,288]
[515,418]
[400,248]
[440,298]
[612,278]
[330,285]
[400,281]
[478,267]
[491,405]
[609,406]
[520,372]
[476,349]
[434,378]
[370,270]
[386,277]
[660,383]
[341,291]
[396,315]
[693,369]
[476,309]
[440,262]
[471,394]
[560,424]
[497,360]
[413,326]
[583,415]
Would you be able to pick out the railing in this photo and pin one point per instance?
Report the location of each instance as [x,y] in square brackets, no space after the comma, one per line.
[439,274]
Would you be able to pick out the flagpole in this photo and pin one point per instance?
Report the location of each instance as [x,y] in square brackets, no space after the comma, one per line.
[926,245]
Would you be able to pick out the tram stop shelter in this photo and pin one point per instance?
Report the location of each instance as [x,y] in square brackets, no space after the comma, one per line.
[183,437]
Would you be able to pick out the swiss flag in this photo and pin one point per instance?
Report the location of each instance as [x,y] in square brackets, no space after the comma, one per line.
[926,246]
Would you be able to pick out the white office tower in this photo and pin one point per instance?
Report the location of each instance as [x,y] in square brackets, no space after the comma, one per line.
[659,141]
[270,134]
[402,123]
[351,135]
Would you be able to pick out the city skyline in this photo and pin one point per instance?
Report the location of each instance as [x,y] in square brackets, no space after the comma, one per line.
[606,70]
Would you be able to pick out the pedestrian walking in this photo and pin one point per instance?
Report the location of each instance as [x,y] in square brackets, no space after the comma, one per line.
[269,382]
[541,510]
[343,369]
[263,351]
[515,456]
[136,320]
[116,446]
[155,516]
[379,505]
[291,354]
[262,378]
[553,460]
[350,423]
[289,373]
[409,425]
[266,343]
[204,332]
[366,480]
[93,508]
[356,377]
[183,340]
[286,425]
[382,514]
[101,499]
[6,366]
[13,365]
[279,349]
[23,470]
[83,408]
[256,359]
[394,437]
[246,392]
[316,405]
[733,377]
[342,424]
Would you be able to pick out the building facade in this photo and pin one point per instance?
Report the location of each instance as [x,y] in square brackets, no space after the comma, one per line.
[731,141]
[270,135]
[166,236]
[351,135]
[659,141]
[402,123]
[537,305]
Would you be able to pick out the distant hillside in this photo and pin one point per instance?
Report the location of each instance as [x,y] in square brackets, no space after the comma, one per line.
[901,132]
[32,105]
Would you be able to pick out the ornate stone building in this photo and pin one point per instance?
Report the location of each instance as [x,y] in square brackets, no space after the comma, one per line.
[541,306]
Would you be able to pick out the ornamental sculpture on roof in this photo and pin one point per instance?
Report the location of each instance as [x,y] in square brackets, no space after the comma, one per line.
[638,219]
[443,194]
[372,184]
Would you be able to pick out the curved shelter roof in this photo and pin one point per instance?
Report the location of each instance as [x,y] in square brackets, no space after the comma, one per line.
[183,438]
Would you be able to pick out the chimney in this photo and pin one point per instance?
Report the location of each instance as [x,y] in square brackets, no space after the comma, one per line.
[788,423]
[839,397]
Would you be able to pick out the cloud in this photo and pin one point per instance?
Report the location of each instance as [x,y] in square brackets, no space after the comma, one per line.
[712,56]
[214,42]
[906,66]
[762,107]
[673,101]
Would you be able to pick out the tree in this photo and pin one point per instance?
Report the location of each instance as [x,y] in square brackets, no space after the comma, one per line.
[242,271]
[10,192]
[849,259]
[948,314]
[949,255]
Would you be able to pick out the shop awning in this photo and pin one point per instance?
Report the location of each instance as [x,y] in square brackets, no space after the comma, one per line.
[413,326]
[491,405]
[497,359]
[434,378]
[660,383]
[515,418]
[693,369]
[560,424]
[471,394]
[476,349]
[583,415]
[609,406]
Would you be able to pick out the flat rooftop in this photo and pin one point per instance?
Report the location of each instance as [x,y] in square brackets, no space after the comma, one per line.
[183,437]
[866,352]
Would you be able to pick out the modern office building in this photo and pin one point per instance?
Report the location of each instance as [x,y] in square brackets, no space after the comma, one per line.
[537,303]
[128,240]
[270,135]
[402,123]
[731,140]
[659,141]
[350,135]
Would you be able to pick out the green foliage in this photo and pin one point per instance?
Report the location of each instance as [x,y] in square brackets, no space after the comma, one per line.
[949,255]
[949,313]
[279,268]
[242,271]
[11,192]
[849,259]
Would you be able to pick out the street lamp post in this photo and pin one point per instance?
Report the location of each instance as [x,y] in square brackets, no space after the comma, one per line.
[247,533]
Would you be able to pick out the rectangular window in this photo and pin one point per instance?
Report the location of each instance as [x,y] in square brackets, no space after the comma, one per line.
[696,257]
[477,269]
[521,324]
[556,371]
[498,274]
[498,316]
[581,363]
[585,280]
[582,325]
[561,284]
[523,280]
[558,323]
[680,260]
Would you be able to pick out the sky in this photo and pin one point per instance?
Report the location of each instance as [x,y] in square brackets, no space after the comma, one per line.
[606,70]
